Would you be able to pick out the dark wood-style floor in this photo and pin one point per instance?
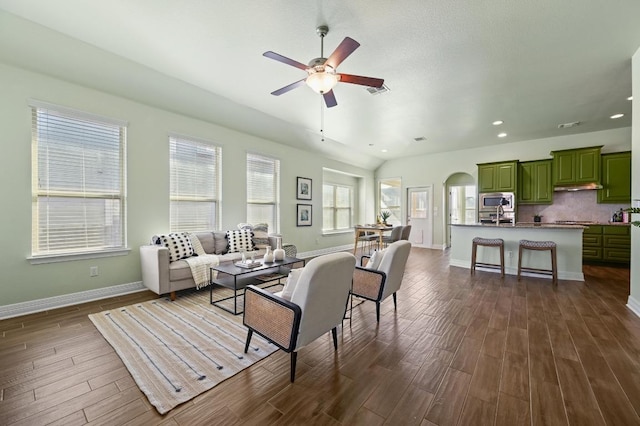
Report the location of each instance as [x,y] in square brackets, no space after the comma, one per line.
[460,350]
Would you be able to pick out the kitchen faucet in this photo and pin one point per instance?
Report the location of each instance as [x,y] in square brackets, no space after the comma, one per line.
[499,212]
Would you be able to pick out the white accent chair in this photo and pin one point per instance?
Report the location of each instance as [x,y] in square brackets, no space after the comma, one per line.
[318,304]
[378,284]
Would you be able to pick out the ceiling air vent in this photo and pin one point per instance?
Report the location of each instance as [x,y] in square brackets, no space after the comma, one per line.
[420,139]
[377,90]
[567,125]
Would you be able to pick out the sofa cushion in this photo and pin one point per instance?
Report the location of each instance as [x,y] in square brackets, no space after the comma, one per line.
[198,250]
[239,241]
[179,245]
[220,242]
[261,235]
[207,241]
[290,285]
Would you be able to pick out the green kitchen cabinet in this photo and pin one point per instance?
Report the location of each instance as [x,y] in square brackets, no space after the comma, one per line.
[615,178]
[592,243]
[534,182]
[497,177]
[607,243]
[576,166]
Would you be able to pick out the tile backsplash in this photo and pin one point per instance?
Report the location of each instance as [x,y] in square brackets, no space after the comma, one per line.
[578,205]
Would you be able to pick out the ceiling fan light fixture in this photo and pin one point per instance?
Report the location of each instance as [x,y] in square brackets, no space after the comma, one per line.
[323,80]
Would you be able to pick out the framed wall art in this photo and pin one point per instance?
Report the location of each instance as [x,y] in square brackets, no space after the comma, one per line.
[303,189]
[304,215]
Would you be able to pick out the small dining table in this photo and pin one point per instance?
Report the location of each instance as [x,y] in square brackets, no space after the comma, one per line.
[363,229]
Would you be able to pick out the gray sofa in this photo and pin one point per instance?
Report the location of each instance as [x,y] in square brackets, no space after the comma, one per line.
[164,277]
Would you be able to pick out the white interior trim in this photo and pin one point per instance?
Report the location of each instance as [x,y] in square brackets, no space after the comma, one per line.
[633,305]
[40,305]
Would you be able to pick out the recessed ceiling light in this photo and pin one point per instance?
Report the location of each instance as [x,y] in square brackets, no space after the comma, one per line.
[384,150]
[630,98]
[614,116]
[497,122]
[502,135]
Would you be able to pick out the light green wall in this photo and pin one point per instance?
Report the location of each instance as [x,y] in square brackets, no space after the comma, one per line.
[635,181]
[147,189]
[434,169]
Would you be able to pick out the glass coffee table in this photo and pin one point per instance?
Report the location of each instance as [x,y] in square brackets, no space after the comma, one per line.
[237,278]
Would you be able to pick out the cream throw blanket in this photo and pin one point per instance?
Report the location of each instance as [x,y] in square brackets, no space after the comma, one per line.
[200,268]
[201,263]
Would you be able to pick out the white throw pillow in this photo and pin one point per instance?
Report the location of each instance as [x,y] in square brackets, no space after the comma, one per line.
[375,260]
[290,285]
[179,245]
[239,241]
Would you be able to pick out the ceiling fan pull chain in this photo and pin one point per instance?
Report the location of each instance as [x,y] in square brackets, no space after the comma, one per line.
[321,120]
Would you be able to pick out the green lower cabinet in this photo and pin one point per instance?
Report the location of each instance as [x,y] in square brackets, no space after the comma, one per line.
[607,243]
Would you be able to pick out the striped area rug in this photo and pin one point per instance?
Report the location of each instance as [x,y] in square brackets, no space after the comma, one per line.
[177,350]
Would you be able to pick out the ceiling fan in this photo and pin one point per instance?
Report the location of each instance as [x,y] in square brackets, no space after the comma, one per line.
[322,76]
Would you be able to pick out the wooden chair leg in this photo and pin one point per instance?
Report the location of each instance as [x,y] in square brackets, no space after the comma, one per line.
[474,247]
[294,356]
[378,311]
[554,266]
[502,261]
[519,261]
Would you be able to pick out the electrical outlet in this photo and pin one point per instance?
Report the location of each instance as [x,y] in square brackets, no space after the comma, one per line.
[510,253]
[93,271]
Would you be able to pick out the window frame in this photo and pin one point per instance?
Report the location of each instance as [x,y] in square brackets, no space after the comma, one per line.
[275,202]
[39,111]
[336,210]
[396,210]
[196,143]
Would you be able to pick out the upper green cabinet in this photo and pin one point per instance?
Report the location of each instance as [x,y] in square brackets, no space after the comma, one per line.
[616,178]
[497,177]
[576,166]
[534,182]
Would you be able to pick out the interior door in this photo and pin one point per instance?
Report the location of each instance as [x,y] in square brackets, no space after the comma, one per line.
[419,202]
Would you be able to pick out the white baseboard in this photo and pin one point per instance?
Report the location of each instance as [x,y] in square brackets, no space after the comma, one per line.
[634,305]
[40,305]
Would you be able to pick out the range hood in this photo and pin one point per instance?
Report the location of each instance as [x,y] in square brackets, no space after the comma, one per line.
[578,187]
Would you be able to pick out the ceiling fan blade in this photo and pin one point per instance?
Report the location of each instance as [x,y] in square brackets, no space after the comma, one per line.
[363,81]
[343,50]
[291,86]
[330,99]
[278,57]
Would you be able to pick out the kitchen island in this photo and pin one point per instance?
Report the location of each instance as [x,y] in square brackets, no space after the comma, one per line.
[568,239]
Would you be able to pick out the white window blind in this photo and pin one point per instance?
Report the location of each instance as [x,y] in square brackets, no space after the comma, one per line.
[78,164]
[263,190]
[195,182]
[337,205]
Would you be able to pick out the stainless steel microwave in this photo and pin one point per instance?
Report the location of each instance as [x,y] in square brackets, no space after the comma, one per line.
[492,200]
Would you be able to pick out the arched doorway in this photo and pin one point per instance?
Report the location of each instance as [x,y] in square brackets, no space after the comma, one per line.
[460,202]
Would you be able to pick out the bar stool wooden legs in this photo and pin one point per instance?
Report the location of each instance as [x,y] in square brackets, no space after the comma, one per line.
[539,246]
[487,242]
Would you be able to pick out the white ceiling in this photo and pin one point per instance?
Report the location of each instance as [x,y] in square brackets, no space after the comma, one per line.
[452,67]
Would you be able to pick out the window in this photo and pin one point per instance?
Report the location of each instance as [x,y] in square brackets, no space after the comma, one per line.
[390,198]
[195,183]
[263,190]
[78,182]
[337,207]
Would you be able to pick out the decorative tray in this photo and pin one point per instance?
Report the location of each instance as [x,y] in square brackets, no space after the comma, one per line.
[248,265]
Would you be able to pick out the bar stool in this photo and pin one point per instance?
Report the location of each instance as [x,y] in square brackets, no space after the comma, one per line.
[488,242]
[539,246]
